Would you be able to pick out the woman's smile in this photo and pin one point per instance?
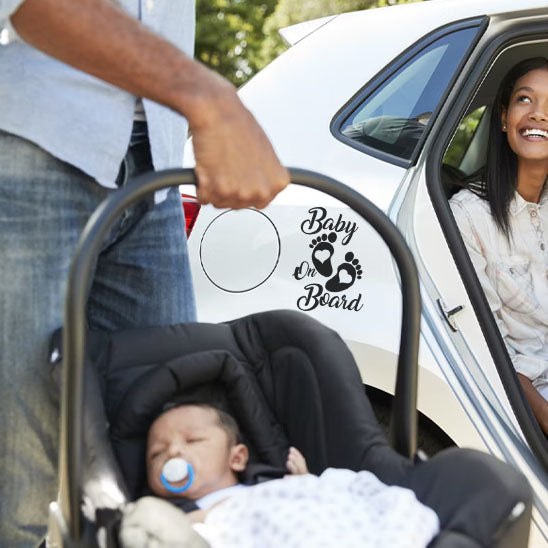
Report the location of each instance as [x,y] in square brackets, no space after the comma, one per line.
[534,134]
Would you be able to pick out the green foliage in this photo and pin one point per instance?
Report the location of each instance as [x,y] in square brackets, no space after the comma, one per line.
[239,37]
[229,34]
[459,144]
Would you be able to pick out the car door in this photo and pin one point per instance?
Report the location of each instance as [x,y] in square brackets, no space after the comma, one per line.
[475,359]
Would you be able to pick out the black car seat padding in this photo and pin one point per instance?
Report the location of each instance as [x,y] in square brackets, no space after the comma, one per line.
[277,381]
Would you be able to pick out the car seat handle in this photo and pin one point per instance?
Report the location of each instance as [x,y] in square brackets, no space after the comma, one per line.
[403,424]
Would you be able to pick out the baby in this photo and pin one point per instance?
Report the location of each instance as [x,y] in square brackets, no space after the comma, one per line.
[209,440]
[339,507]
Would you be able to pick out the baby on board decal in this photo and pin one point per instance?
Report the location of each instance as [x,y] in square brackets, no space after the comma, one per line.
[323,258]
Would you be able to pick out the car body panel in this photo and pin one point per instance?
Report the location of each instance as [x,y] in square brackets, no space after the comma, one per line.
[295,99]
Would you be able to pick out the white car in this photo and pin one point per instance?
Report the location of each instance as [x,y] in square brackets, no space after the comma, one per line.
[391,102]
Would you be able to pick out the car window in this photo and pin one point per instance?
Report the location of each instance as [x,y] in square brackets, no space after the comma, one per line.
[394,116]
[459,150]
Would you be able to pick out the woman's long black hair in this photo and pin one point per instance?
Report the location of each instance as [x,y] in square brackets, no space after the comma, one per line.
[501,172]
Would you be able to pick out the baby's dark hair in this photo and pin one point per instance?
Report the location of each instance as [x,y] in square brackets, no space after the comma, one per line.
[226,421]
[228,424]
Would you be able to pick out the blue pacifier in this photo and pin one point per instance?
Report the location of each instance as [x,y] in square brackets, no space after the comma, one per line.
[174,471]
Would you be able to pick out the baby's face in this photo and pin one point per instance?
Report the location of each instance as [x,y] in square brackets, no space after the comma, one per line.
[194,434]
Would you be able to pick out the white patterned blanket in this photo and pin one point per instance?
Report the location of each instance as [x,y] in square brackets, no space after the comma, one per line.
[340,508]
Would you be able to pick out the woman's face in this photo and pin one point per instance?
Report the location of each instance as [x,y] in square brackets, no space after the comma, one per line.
[526,119]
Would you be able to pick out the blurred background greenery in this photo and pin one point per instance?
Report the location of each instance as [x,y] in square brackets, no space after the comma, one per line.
[239,37]
[462,137]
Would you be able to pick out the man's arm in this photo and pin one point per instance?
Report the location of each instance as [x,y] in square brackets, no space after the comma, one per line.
[236,165]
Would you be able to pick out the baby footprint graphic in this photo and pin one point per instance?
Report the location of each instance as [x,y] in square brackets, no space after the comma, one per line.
[322,251]
[346,274]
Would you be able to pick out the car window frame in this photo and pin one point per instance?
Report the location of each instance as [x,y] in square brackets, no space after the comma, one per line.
[501,35]
[388,71]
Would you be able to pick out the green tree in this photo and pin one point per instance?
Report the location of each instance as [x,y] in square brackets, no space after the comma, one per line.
[229,34]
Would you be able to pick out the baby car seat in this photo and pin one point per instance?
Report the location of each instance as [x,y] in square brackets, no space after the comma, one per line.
[286,378]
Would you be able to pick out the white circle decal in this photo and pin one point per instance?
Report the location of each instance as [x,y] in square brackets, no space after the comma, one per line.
[240,250]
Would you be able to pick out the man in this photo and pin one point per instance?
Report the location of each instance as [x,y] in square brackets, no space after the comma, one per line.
[66,139]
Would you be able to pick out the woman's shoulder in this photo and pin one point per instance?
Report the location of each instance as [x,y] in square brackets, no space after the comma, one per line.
[471,212]
[469,201]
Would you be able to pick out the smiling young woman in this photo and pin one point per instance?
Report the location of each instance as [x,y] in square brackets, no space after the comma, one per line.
[525,121]
[503,227]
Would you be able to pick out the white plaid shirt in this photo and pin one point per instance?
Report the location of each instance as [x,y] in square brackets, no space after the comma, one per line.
[514,275]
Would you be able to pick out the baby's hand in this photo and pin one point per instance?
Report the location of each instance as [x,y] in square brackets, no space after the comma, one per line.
[296,463]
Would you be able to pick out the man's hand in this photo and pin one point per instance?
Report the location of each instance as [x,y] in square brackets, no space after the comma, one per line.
[235,163]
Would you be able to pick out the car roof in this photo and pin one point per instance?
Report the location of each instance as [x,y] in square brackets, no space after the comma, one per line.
[403,24]
[366,41]
[427,14]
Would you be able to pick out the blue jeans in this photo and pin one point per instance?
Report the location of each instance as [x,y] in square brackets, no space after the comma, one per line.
[142,278]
